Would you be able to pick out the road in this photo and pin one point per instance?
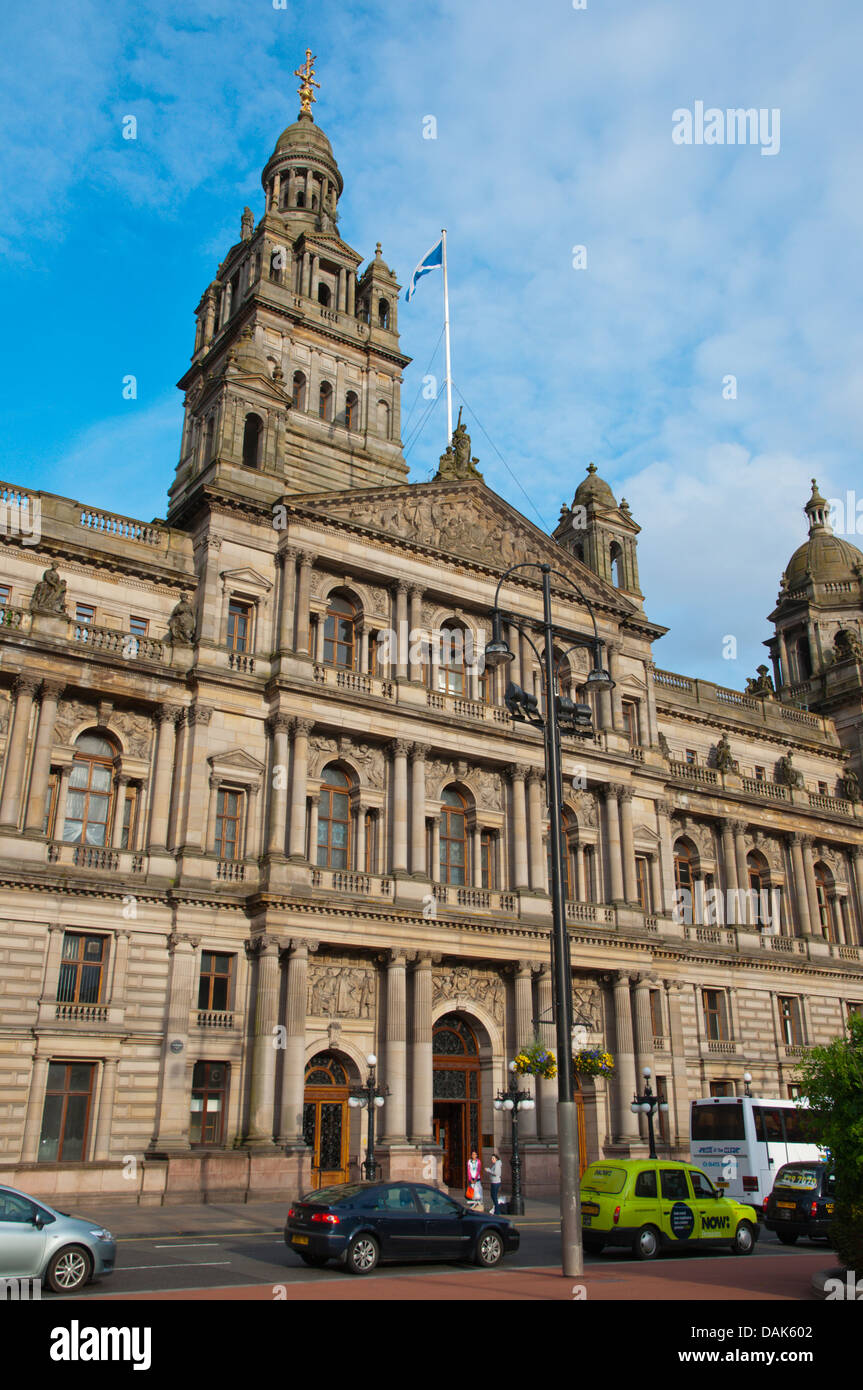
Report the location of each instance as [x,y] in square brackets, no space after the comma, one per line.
[250,1261]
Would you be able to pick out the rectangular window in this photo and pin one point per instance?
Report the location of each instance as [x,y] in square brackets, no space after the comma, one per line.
[789,1021]
[760,774]
[81,969]
[239,626]
[374,661]
[642,879]
[5,593]
[715,1023]
[486,845]
[691,757]
[228,809]
[66,1114]
[139,626]
[84,613]
[822,789]
[209,1102]
[722,1088]
[50,806]
[795,1091]
[630,722]
[214,981]
[130,811]
[656,1013]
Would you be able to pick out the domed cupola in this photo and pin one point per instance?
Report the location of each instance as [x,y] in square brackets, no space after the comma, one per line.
[824,558]
[301,179]
[601,534]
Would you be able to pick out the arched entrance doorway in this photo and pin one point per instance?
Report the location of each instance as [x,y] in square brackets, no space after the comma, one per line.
[325,1118]
[457,1095]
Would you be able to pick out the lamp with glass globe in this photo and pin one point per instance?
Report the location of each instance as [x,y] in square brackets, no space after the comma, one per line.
[648,1104]
[369,1097]
[512,1100]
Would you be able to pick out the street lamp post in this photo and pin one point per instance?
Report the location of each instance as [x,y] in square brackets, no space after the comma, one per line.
[577,718]
[648,1104]
[513,1100]
[369,1097]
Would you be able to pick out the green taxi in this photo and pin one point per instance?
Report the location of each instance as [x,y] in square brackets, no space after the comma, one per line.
[648,1205]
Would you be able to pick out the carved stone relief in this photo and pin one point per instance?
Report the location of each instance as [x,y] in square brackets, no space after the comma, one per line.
[135,731]
[585,808]
[70,716]
[340,991]
[452,984]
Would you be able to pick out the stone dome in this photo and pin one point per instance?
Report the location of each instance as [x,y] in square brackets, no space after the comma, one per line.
[593,489]
[823,558]
[304,139]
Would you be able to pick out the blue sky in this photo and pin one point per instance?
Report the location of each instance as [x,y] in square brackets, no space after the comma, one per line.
[554,130]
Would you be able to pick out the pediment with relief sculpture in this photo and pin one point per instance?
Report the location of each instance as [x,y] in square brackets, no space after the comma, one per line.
[464,520]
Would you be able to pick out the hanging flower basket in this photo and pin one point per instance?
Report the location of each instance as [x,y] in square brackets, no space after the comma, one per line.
[536,1060]
[592,1061]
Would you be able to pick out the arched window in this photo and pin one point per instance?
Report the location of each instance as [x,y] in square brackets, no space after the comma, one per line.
[340,629]
[334,820]
[616,557]
[383,414]
[453,837]
[570,849]
[383,313]
[253,438]
[824,891]
[684,866]
[209,430]
[488,865]
[352,411]
[88,804]
[301,198]
[324,295]
[451,668]
[299,391]
[325,401]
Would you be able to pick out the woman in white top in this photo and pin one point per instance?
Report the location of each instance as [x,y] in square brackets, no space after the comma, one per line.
[474,1178]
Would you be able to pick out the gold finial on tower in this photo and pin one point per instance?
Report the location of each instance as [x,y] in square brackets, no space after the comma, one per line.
[307,73]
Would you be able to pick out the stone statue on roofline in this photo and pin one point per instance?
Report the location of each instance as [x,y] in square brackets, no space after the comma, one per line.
[181,623]
[787,774]
[723,758]
[760,684]
[851,784]
[456,461]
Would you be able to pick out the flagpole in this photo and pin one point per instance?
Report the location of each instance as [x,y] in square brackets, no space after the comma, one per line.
[446,335]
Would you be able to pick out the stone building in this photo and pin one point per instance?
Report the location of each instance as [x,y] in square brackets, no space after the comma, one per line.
[247,838]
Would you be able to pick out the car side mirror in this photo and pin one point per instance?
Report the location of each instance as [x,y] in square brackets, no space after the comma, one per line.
[37,1221]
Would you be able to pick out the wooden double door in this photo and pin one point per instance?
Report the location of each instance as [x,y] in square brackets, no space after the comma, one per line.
[457,1096]
[326,1125]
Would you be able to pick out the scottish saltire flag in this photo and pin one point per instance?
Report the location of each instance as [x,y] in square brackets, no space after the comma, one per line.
[430,261]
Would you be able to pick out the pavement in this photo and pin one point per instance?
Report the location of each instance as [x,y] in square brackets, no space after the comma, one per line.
[227,1218]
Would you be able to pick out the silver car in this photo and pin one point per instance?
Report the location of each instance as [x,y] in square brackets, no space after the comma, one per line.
[37,1242]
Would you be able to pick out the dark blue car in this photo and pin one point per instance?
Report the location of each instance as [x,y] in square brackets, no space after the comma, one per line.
[362,1224]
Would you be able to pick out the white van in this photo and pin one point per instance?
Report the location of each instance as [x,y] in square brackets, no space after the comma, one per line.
[741,1142]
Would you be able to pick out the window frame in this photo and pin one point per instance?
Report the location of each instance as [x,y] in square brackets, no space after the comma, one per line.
[74,967]
[210,978]
[244,609]
[225,818]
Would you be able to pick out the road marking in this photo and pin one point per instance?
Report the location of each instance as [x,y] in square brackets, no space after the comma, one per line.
[190,1245]
[192,1264]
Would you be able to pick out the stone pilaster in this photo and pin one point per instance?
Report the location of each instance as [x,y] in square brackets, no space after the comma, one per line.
[418,810]
[399,749]
[265,950]
[627,846]
[280,727]
[24,690]
[535,825]
[395,1109]
[303,591]
[612,792]
[519,827]
[172,1131]
[421,1052]
[524,1032]
[167,717]
[299,788]
[296,959]
[626,1083]
[287,598]
[51,693]
[102,1150]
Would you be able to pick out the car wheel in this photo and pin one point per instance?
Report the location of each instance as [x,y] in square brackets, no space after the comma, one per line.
[744,1239]
[787,1238]
[69,1269]
[489,1249]
[362,1254]
[316,1261]
[646,1243]
[592,1245]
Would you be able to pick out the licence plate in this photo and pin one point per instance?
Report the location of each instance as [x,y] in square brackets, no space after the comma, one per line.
[299,1240]
[787,1206]
[591,1208]
[586,1220]
[829,1208]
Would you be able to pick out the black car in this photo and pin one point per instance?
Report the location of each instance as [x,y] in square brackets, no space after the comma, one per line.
[362,1224]
[801,1203]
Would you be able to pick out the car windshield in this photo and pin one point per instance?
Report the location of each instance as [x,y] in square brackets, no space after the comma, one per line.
[605,1179]
[331,1196]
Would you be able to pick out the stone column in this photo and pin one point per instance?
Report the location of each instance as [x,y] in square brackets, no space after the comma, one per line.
[102,1150]
[172,1130]
[395,1108]
[630,881]
[729,861]
[547,1087]
[296,959]
[811,890]
[524,1032]
[35,1106]
[739,828]
[518,776]
[121,784]
[857,893]
[535,819]
[418,811]
[612,792]
[195,779]
[279,726]
[314,812]
[52,964]
[51,693]
[352,293]
[513,639]
[801,893]
[342,291]
[650,702]
[401,626]
[263,1078]
[62,794]
[421,1052]
[415,670]
[664,811]
[167,717]
[616,694]
[476,857]
[288,598]
[299,778]
[24,689]
[303,587]
[627,1123]
[399,749]
[783,658]
[643,1024]
[435,864]
[581,892]
[119,978]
